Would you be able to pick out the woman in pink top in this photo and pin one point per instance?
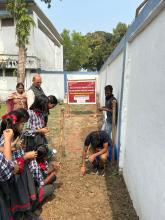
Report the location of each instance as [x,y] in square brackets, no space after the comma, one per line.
[17,99]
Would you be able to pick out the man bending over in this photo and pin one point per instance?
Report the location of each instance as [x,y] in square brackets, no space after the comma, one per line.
[97,143]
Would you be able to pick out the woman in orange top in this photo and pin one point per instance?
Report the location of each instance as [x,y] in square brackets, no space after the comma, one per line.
[17,99]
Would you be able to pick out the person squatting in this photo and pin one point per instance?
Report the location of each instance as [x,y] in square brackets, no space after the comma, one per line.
[97,143]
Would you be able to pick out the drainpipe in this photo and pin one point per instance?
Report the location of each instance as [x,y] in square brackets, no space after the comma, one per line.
[140,7]
[106,75]
[121,97]
[65,82]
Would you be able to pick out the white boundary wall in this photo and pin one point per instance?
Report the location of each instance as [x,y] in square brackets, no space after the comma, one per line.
[142,124]
[52,83]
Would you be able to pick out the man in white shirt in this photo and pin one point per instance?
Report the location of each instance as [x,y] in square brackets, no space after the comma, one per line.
[34,90]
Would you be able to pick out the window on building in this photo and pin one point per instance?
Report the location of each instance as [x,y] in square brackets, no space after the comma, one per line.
[33,71]
[10,72]
[1,72]
[5,22]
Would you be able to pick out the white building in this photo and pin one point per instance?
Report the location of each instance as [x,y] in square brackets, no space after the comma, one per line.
[136,70]
[44,51]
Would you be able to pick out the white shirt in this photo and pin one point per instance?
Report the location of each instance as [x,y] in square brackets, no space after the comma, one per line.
[30,97]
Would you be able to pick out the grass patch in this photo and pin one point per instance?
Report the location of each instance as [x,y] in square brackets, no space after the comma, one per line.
[54,120]
[3,109]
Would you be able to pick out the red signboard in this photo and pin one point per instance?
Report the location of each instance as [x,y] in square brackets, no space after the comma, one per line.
[81,91]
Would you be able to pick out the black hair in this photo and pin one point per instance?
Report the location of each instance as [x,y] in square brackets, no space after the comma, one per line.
[95,139]
[23,114]
[108,88]
[40,104]
[19,84]
[10,120]
[42,152]
[52,99]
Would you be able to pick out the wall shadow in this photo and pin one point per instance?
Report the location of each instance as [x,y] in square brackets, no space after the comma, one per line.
[119,199]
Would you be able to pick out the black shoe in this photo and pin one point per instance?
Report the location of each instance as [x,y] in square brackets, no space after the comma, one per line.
[37,212]
[101,171]
[94,171]
[30,216]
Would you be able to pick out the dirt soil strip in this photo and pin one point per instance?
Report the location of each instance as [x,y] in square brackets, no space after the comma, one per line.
[91,197]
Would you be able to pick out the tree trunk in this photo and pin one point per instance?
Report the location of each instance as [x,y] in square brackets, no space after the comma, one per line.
[21,64]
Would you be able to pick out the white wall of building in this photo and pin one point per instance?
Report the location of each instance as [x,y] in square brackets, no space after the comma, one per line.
[8,40]
[142,126]
[144,165]
[114,73]
[102,82]
[52,84]
[41,52]
[50,55]
[7,85]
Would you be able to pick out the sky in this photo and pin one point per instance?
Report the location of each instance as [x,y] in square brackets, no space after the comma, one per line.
[89,15]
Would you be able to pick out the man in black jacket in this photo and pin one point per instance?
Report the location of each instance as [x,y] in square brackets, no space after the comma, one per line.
[35,90]
[109,97]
